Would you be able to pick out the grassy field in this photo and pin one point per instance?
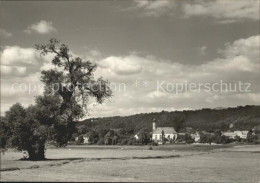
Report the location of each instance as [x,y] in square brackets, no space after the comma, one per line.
[199,163]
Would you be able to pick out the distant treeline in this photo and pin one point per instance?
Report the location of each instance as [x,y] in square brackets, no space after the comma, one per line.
[242,118]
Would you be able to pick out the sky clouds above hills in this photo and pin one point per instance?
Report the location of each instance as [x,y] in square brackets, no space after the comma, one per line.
[239,56]
[239,62]
[172,42]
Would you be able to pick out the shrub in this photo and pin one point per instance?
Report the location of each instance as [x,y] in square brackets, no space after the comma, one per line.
[73,136]
[101,141]
[129,142]
[124,142]
[108,141]
[80,139]
[154,143]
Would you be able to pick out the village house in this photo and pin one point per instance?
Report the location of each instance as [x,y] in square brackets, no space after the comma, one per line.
[232,135]
[181,134]
[168,132]
[241,134]
[85,139]
[229,134]
[136,137]
[256,131]
[196,136]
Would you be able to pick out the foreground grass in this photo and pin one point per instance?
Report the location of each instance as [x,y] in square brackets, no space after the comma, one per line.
[137,163]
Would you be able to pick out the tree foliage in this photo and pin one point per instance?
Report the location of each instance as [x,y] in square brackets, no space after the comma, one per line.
[243,118]
[72,79]
[67,90]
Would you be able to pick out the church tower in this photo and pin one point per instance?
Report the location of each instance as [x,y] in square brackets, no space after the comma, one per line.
[154,124]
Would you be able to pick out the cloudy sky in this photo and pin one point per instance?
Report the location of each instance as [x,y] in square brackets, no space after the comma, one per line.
[148,50]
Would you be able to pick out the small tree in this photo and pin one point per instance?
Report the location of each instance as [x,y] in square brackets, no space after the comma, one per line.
[93,137]
[250,136]
[101,141]
[237,138]
[80,139]
[188,138]
[144,136]
[67,91]
[114,140]
[74,136]
[29,128]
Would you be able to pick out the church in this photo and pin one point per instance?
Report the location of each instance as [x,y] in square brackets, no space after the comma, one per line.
[168,133]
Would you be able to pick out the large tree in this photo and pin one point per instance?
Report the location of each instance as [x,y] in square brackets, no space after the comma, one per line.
[29,128]
[67,90]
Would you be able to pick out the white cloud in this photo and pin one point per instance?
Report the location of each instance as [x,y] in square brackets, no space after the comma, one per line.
[154,8]
[243,47]
[4,33]
[224,11]
[17,55]
[121,65]
[13,70]
[238,61]
[18,61]
[19,89]
[156,94]
[240,57]
[42,27]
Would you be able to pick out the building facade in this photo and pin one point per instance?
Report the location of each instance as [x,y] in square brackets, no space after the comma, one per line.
[232,135]
[163,133]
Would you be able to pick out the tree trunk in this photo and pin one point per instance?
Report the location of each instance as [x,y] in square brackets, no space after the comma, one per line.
[37,153]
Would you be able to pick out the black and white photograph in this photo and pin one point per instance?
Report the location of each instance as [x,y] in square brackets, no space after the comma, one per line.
[130,91]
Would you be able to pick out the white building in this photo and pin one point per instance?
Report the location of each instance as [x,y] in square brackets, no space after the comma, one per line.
[169,133]
[241,134]
[85,139]
[232,135]
[229,134]
[196,136]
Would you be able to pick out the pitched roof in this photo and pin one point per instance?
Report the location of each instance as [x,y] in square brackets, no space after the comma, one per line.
[245,132]
[167,130]
[229,133]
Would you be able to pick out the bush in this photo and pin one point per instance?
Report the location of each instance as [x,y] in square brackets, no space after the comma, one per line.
[123,142]
[129,142]
[238,139]
[80,139]
[154,143]
[101,141]
[108,141]
[73,136]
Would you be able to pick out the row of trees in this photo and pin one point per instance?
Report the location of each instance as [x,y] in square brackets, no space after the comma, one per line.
[121,137]
[112,137]
[218,138]
[67,90]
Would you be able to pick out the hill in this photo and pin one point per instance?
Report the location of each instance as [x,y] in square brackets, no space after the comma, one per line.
[242,118]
